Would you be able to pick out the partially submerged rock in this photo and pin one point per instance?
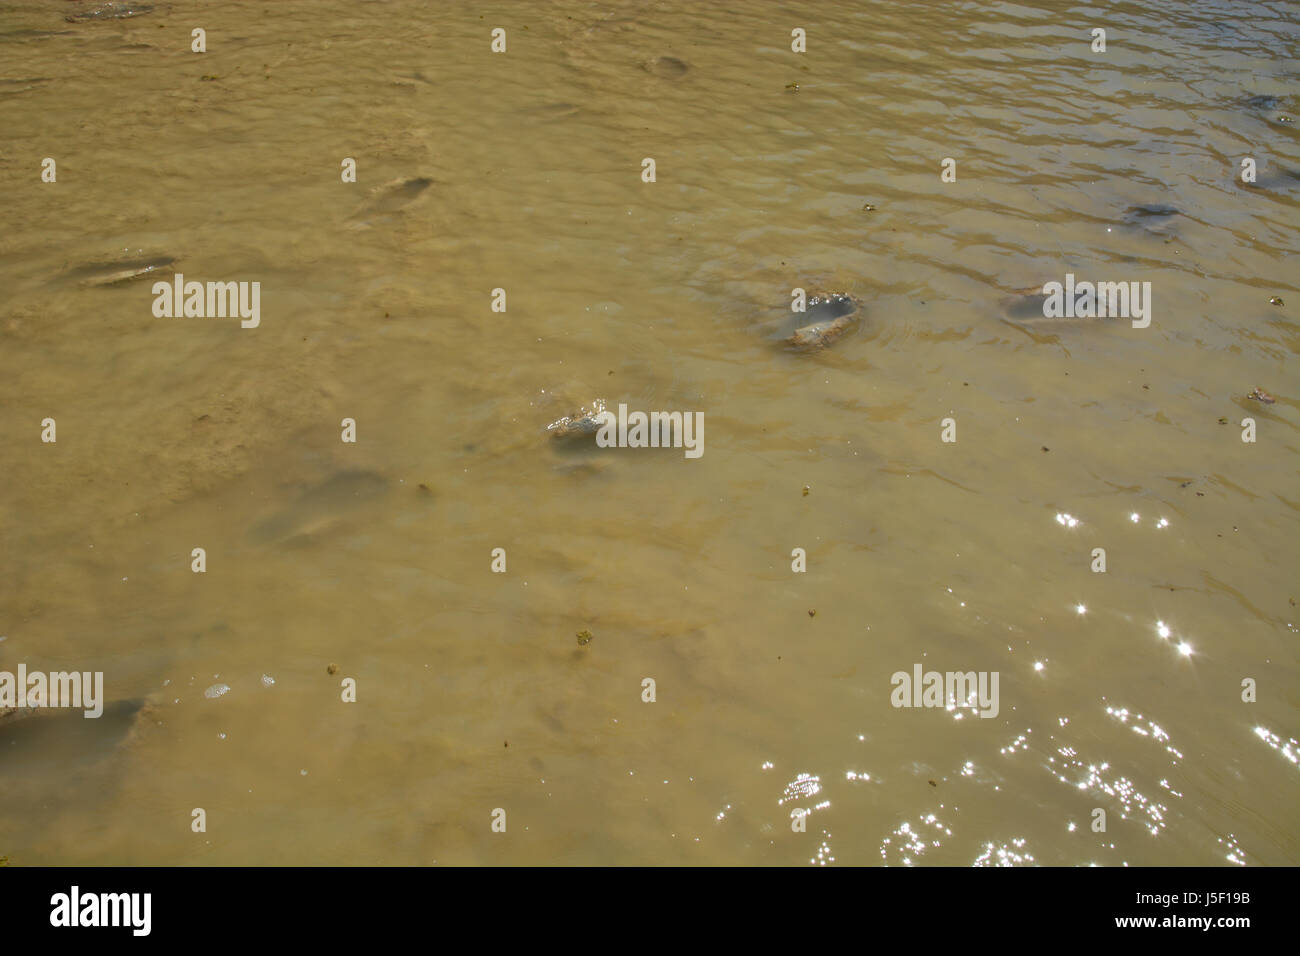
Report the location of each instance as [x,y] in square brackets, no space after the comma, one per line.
[115,271]
[109,10]
[828,317]
[582,423]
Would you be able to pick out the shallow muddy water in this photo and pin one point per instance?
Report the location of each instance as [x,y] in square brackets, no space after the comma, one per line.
[371,561]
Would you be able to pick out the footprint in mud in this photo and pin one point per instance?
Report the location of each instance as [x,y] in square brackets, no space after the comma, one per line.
[321,507]
[117,271]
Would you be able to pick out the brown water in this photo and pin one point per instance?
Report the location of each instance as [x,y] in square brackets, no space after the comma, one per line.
[473,693]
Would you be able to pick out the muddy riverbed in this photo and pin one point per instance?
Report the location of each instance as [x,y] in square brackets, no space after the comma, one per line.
[370,564]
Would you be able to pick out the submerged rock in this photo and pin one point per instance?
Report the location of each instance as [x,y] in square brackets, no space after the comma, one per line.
[392,197]
[1261,102]
[1272,179]
[27,34]
[13,86]
[1267,107]
[321,507]
[1026,304]
[1157,219]
[1152,213]
[550,112]
[667,67]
